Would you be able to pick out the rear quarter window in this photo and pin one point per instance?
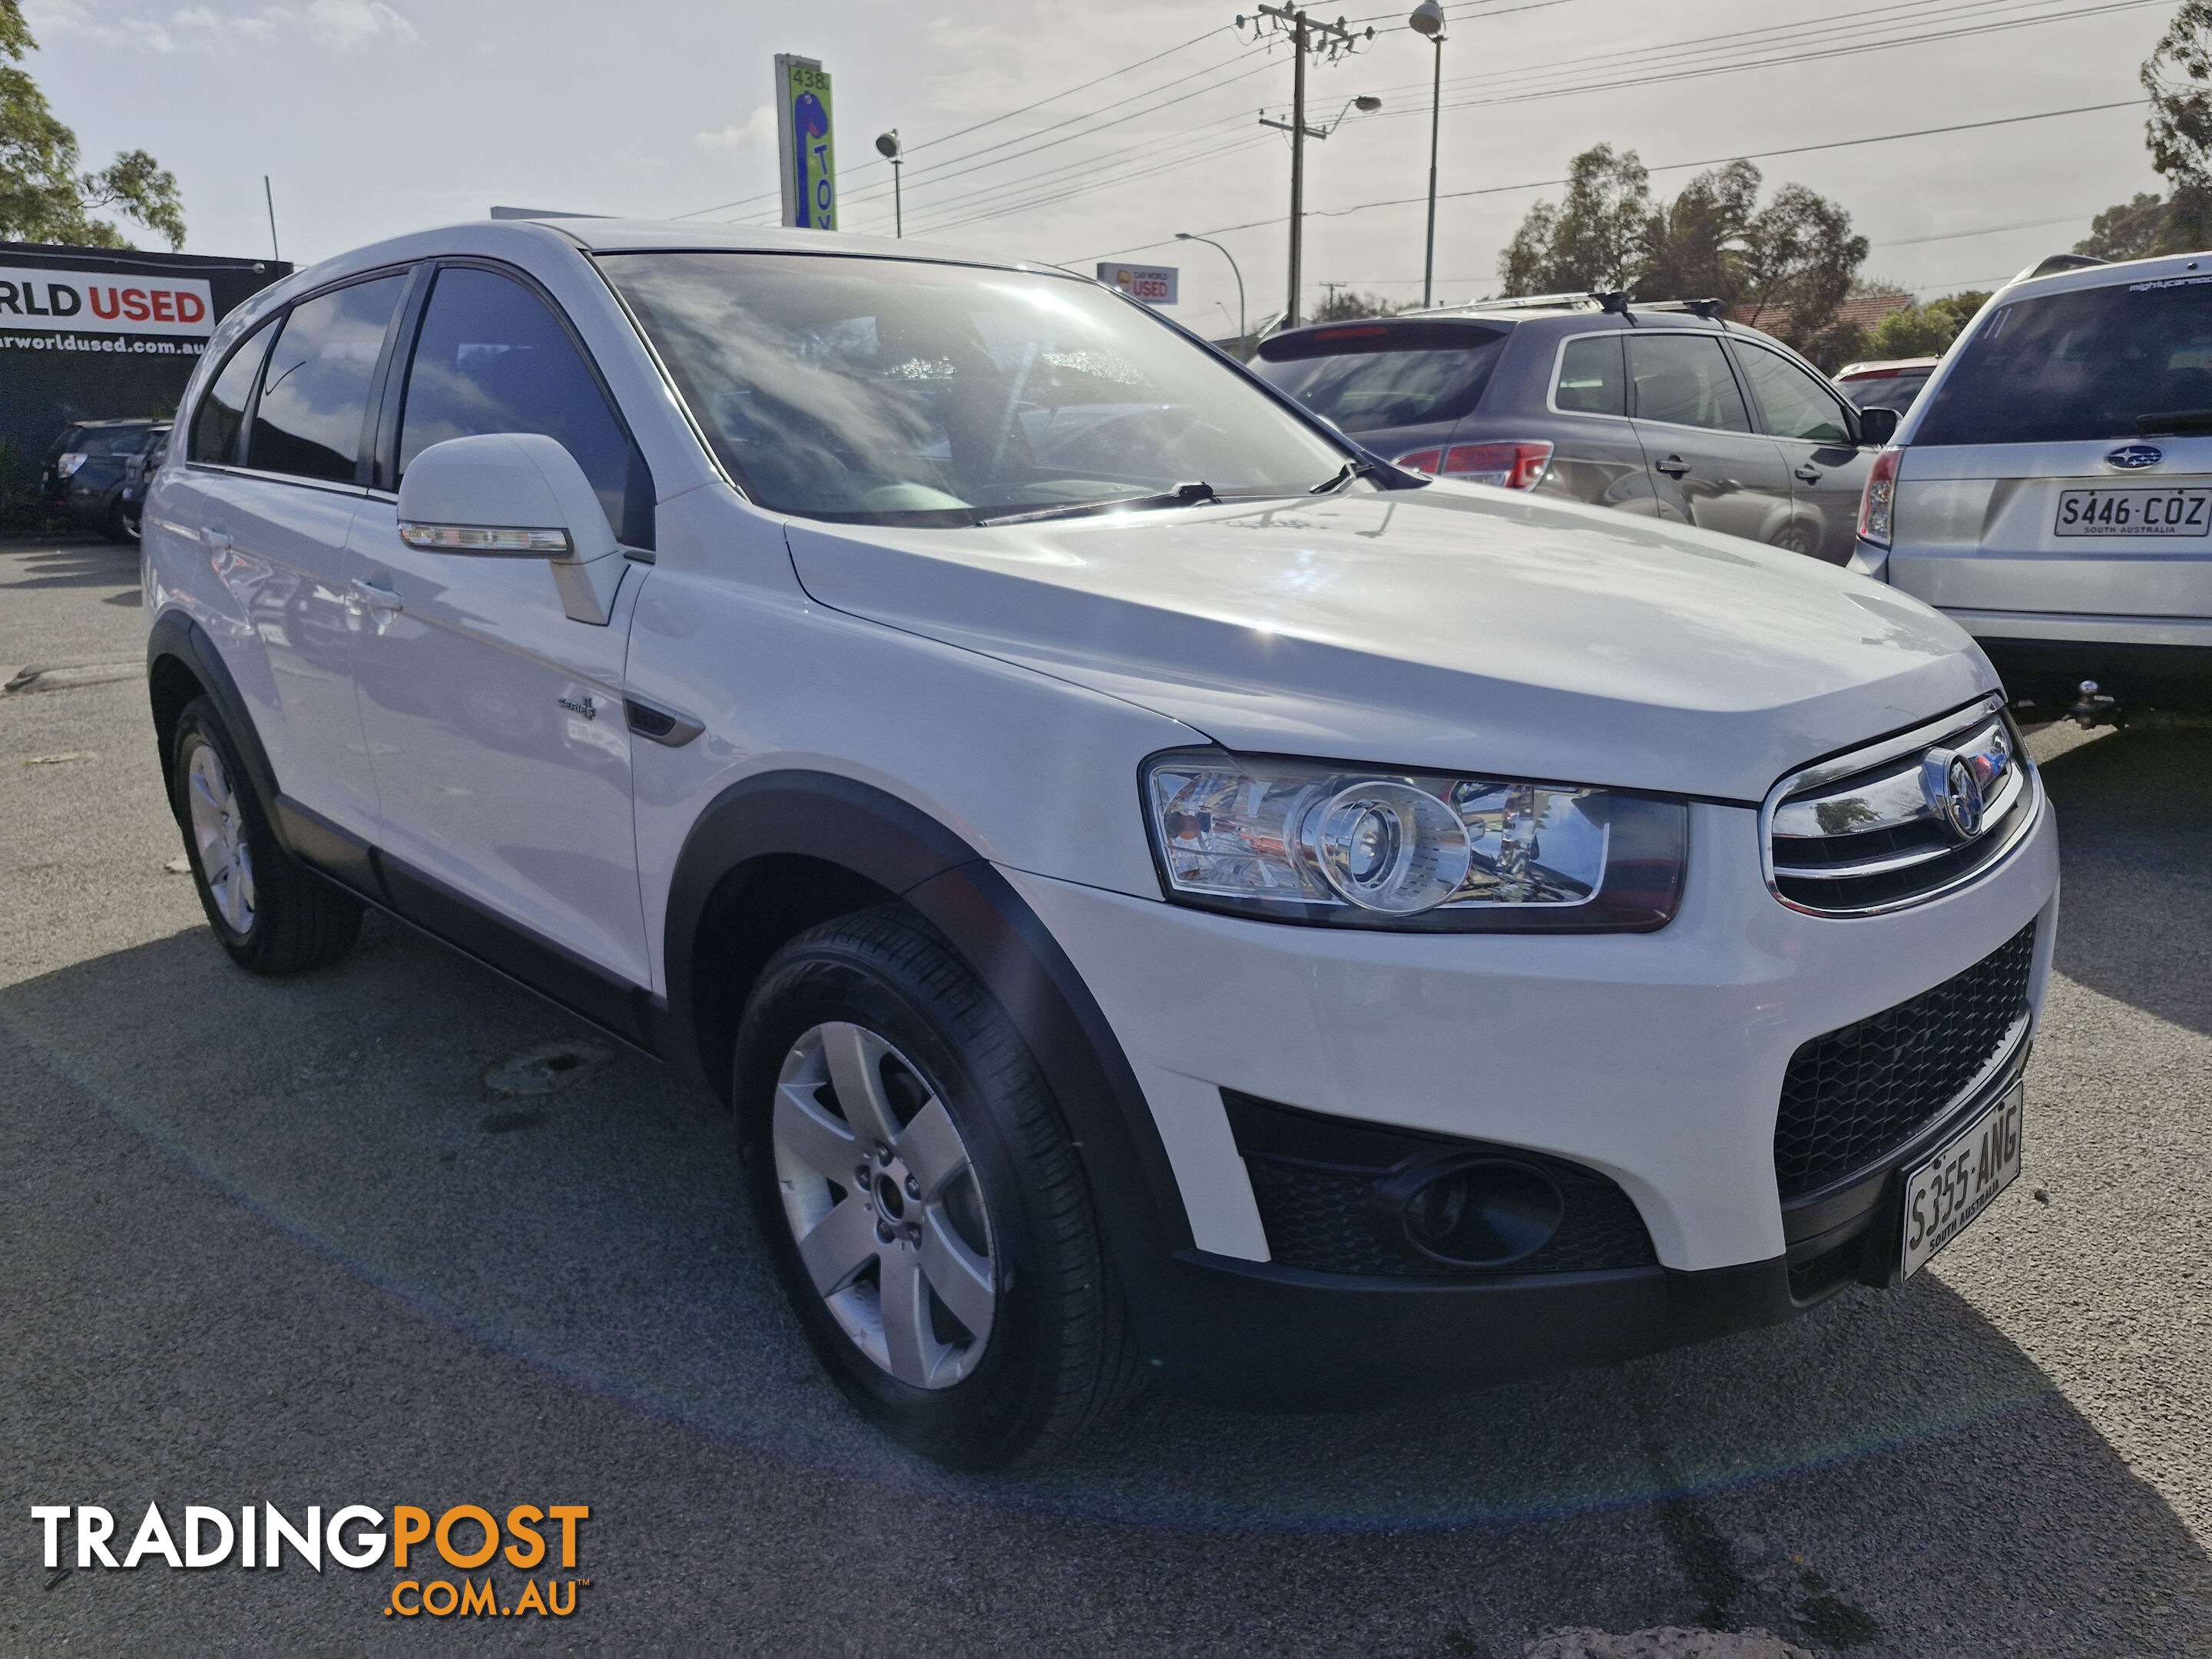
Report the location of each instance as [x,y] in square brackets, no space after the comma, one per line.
[2094,363]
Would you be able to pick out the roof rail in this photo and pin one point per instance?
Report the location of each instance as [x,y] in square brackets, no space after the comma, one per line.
[1521,302]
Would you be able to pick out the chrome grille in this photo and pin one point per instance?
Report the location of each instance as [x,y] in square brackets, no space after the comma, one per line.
[1901,821]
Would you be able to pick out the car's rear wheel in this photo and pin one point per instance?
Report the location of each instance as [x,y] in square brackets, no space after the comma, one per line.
[924,1203]
[1796,538]
[270,913]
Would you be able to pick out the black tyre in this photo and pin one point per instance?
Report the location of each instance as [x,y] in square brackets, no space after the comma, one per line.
[271,914]
[925,1204]
[121,523]
[1796,538]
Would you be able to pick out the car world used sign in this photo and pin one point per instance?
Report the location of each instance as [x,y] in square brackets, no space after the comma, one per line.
[1154,284]
[102,302]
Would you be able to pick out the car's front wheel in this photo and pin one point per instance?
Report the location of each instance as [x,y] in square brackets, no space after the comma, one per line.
[272,915]
[924,1203]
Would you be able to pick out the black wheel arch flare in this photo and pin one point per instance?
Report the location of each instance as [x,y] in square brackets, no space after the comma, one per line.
[768,824]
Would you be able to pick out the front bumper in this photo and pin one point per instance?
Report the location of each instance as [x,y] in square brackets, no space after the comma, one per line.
[1655,1060]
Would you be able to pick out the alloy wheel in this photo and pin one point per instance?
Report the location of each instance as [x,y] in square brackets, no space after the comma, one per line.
[219,838]
[883,1201]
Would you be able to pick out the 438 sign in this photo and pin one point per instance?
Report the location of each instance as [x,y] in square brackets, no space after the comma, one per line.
[809,145]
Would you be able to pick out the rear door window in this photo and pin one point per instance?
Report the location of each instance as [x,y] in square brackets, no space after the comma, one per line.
[216,423]
[1593,377]
[1368,376]
[314,399]
[1684,379]
[1797,404]
[2095,363]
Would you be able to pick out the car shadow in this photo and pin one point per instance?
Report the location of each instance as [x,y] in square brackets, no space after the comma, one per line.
[50,563]
[597,1232]
[2135,826]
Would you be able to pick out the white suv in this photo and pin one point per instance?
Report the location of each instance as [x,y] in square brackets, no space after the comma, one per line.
[1166,894]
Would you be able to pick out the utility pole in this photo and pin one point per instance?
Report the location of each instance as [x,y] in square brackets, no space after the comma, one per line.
[888,147]
[1428,18]
[1244,335]
[1337,40]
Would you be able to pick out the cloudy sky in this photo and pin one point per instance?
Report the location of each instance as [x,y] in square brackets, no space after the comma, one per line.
[371,119]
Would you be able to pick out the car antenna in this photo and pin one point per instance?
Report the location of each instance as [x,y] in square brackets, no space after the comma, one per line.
[1615,304]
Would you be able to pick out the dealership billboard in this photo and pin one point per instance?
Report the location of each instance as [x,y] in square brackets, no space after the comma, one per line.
[808,145]
[91,333]
[1155,285]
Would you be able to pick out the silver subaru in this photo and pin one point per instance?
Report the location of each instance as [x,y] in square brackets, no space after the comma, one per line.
[2051,490]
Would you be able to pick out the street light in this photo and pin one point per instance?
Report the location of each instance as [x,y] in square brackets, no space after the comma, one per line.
[888,147]
[1428,18]
[1244,339]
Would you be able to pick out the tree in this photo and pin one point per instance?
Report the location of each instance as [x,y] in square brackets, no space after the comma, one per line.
[2131,230]
[1922,331]
[1594,239]
[1791,262]
[43,196]
[2177,75]
[1799,252]
[1344,305]
[1691,246]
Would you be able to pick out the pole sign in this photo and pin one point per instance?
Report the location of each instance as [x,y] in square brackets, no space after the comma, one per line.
[1154,284]
[809,153]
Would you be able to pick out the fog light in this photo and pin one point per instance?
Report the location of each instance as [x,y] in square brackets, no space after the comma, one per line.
[1468,1211]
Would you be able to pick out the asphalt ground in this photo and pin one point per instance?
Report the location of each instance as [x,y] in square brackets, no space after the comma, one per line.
[278,1243]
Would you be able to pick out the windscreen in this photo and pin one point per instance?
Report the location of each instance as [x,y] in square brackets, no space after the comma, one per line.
[895,391]
[1370,377]
[2095,363]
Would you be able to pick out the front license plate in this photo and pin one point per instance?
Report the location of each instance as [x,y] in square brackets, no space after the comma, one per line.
[2134,512]
[1944,1194]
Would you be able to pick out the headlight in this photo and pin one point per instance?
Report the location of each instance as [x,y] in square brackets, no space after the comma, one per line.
[1340,845]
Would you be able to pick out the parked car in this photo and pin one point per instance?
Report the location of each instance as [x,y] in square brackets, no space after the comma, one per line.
[1207,906]
[84,470]
[136,470]
[1890,384]
[1655,410]
[2052,489]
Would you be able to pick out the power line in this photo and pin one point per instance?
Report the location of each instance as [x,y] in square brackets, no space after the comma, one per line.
[1664,167]
[1912,37]
[1081,177]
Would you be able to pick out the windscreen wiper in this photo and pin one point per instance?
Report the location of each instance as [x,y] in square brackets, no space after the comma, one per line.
[1188,495]
[1343,475]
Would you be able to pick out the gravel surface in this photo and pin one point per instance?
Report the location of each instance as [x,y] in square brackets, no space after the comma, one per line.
[362,1237]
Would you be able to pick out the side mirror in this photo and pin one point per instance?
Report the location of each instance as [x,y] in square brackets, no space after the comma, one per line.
[515,496]
[1877,426]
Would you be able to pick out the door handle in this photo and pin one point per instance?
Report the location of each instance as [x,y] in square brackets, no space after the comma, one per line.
[1807,473]
[216,540]
[1674,466]
[376,597]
